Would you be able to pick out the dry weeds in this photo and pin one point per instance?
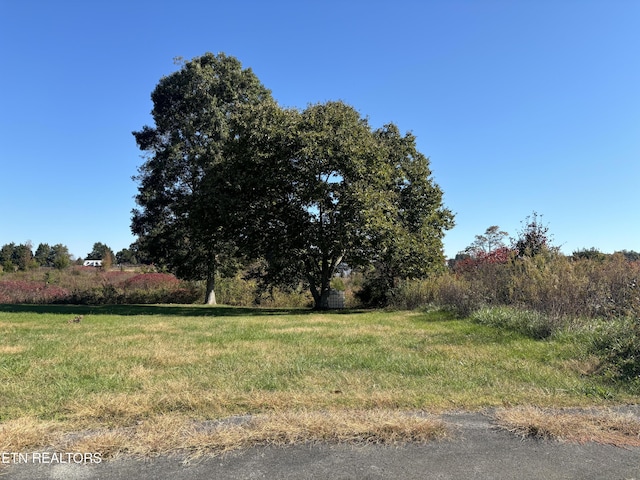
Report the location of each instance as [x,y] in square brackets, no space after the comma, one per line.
[27,432]
[175,434]
[597,425]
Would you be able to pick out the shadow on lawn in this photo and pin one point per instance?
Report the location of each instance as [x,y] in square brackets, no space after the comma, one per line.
[164,310]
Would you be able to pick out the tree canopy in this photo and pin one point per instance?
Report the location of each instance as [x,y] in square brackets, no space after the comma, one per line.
[492,240]
[57,256]
[230,176]
[100,251]
[183,214]
[16,257]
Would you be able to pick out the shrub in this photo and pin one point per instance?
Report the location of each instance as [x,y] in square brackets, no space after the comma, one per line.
[91,286]
[149,288]
[31,292]
[457,295]
[412,294]
[375,292]
[285,298]
[553,284]
[151,281]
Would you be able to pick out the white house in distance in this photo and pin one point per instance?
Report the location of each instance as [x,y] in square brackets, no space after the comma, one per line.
[92,263]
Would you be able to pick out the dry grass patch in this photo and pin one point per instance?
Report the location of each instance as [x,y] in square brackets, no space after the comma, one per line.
[11,349]
[584,366]
[113,410]
[297,330]
[166,434]
[600,426]
[27,432]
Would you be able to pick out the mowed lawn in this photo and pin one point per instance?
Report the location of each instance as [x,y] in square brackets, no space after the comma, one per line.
[122,366]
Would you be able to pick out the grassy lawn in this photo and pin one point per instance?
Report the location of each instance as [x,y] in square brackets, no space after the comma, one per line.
[145,371]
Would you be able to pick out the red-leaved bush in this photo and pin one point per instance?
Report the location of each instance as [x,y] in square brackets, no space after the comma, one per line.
[31,292]
[151,281]
[91,286]
[498,256]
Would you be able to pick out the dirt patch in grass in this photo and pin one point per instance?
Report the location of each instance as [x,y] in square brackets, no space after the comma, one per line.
[604,426]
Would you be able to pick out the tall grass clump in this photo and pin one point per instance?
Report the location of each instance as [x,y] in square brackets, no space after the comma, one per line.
[617,343]
[527,322]
[414,294]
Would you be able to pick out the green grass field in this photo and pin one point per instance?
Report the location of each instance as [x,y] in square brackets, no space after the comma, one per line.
[128,367]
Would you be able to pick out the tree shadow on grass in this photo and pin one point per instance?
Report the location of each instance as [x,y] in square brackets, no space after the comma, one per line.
[164,310]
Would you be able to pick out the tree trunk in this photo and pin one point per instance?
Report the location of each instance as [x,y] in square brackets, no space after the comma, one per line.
[324,299]
[314,291]
[321,293]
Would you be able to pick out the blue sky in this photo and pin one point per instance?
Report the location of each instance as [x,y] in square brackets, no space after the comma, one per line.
[521,106]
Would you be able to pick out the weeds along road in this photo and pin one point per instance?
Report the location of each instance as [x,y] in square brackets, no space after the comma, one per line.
[476,449]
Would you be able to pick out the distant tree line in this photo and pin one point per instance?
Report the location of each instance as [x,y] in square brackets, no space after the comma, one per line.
[20,257]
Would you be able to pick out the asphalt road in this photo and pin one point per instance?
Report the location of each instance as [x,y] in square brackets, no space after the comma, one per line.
[476,450]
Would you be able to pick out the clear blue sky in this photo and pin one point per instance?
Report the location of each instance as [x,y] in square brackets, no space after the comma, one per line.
[522,106]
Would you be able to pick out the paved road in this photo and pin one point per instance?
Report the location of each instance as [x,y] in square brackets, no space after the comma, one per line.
[476,451]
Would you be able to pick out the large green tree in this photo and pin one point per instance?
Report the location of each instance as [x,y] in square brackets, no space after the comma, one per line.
[334,190]
[185,215]
[229,174]
[410,232]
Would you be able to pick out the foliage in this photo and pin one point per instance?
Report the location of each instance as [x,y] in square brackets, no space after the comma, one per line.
[557,285]
[408,232]
[18,291]
[17,257]
[485,244]
[57,256]
[90,286]
[231,177]
[42,255]
[457,295]
[346,193]
[544,295]
[102,252]
[414,294]
[480,258]
[186,194]
[127,256]
[630,255]
[534,238]
[150,281]
[591,254]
